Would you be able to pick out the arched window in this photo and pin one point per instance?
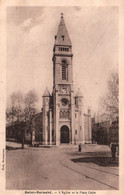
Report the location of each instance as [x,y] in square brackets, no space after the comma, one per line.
[64,70]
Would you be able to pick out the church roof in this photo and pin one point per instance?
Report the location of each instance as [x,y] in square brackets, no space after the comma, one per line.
[62,37]
[46,93]
[78,94]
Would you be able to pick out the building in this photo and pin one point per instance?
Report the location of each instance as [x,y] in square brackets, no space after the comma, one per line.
[100,129]
[114,131]
[104,130]
[64,120]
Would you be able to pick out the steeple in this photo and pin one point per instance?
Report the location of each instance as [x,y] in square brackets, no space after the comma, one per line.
[62,37]
[62,56]
[78,94]
[46,93]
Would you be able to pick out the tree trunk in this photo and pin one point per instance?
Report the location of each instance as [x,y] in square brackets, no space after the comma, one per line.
[23,139]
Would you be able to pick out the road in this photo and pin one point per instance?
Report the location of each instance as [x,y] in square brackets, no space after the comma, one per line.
[60,168]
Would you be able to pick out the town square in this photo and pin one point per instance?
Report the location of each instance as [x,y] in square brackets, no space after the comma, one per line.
[62,112]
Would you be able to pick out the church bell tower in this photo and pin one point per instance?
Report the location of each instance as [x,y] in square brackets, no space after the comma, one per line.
[63,97]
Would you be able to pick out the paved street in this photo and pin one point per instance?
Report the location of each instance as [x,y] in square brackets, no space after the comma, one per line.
[61,168]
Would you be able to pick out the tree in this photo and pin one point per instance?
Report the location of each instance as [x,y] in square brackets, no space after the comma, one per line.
[14,111]
[30,110]
[21,110]
[110,102]
[30,101]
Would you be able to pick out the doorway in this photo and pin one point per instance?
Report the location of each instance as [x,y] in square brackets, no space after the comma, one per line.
[64,134]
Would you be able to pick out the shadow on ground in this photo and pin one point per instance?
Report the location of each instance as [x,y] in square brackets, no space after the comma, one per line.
[101,161]
[12,148]
[89,154]
[37,146]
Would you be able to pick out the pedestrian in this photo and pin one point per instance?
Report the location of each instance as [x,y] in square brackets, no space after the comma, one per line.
[113,151]
[79,147]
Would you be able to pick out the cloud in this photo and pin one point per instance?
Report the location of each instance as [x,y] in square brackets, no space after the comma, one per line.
[27,23]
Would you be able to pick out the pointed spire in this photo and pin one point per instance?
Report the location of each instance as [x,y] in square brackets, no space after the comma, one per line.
[78,94]
[46,93]
[62,37]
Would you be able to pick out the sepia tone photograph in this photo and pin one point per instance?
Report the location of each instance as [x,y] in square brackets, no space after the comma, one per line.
[62,98]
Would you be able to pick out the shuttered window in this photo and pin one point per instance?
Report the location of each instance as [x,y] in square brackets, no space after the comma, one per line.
[64,74]
[64,70]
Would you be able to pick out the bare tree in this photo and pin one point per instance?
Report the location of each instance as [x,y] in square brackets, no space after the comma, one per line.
[30,101]
[22,109]
[110,102]
[14,111]
[30,110]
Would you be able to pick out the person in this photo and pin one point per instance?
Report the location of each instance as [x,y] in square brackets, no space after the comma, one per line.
[79,148]
[113,150]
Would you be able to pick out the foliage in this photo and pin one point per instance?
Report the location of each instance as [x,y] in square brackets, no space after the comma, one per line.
[30,101]
[20,112]
[14,112]
[109,104]
[21,107]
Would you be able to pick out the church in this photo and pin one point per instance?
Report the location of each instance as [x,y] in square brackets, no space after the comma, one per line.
[63,117]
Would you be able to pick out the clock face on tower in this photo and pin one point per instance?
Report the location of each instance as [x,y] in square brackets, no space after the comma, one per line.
[64,89]
[64,102]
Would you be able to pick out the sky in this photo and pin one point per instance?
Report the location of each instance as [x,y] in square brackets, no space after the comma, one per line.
[30,39]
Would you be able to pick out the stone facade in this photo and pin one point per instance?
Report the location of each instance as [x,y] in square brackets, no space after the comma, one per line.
[64,120]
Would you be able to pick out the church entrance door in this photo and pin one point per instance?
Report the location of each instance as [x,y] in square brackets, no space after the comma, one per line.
[64,134]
